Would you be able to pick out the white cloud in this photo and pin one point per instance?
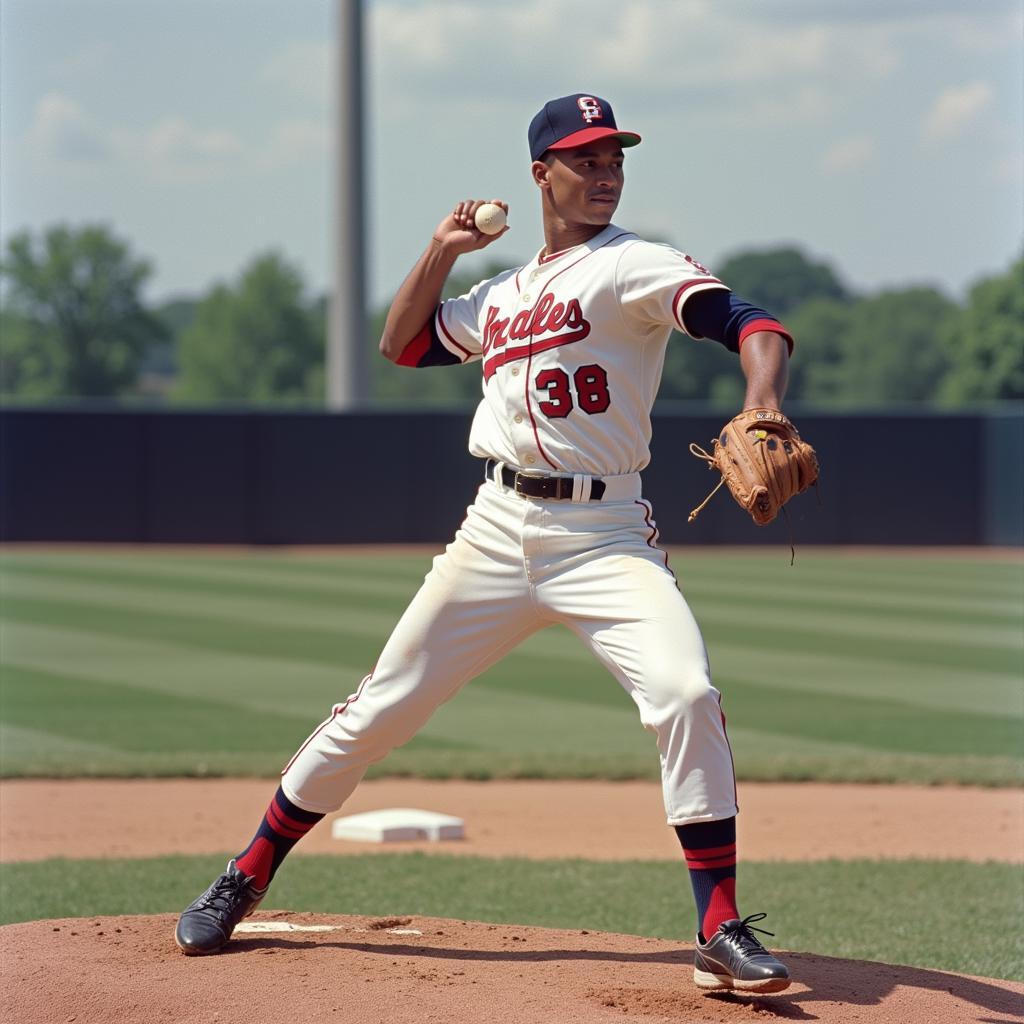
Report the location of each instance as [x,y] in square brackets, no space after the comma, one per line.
[697,58]
[304,70]
[174,150]
[173,139]
[675,42]
[849,154]
[868,10]
[973,31]
[60,131]
[171,150]
[955,109]
[978,27]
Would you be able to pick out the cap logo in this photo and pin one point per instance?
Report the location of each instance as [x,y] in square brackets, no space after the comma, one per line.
[590,109]
[571,121]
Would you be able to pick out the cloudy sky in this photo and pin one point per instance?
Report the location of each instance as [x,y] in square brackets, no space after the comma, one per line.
[882,135]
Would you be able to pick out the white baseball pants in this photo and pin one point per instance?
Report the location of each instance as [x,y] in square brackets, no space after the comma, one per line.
[517,565]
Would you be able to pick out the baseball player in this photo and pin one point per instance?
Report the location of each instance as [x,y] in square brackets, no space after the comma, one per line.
[571,348]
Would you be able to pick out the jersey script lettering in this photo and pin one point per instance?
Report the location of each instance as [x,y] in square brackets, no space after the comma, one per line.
[549,324]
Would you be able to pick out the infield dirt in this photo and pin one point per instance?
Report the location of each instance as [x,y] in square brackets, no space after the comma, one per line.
[437,971]
[304,967]
[811,821]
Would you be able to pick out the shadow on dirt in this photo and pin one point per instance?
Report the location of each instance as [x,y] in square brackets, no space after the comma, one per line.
[827,979]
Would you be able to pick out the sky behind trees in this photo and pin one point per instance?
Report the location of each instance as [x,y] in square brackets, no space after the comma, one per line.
[885,137]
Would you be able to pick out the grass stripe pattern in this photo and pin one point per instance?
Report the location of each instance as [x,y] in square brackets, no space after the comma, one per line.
[852,666]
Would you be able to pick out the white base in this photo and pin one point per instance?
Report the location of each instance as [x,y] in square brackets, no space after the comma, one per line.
[263,927]
[397,824]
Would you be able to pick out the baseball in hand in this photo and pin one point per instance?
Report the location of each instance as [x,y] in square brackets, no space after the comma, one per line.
[490,218]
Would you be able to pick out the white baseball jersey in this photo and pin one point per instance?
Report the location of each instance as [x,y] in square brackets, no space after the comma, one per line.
[573,346]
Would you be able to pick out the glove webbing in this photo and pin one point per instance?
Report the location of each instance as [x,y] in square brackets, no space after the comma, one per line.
[695,449]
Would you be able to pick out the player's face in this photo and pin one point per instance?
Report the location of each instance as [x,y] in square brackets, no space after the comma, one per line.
[586,183]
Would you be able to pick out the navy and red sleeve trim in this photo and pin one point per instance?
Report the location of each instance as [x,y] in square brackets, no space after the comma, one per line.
[427,349]
[728,319]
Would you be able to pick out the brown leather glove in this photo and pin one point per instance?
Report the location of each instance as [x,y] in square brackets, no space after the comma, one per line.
[762,461]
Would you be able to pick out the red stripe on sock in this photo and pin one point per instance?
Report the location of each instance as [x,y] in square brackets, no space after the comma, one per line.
[711,863]
[302,827]
[273,820]
[710,852]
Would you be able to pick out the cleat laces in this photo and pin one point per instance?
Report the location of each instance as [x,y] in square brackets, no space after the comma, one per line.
[742,933]
[224,894]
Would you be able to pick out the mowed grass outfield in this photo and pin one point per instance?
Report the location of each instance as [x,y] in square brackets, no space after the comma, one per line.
[847,666]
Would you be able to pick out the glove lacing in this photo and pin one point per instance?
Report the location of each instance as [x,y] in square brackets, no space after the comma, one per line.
[695,449]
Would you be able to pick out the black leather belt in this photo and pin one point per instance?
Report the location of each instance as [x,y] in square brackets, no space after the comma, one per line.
[533,485]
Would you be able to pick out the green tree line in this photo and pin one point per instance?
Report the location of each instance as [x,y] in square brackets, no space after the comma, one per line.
[74,324]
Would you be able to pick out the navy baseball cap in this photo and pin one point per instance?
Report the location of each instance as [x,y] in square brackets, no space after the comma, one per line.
[572,121]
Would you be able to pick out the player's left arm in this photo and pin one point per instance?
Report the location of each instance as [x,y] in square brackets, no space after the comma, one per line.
[764,358]
[763,343]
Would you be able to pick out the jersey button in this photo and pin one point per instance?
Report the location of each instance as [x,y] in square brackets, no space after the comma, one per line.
[526,298]
[515,371]
[530,460]
[518,419]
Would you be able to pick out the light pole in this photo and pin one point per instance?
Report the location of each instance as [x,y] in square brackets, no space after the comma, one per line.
[347,384]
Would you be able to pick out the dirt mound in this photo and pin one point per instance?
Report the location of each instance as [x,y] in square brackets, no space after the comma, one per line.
[809,821]
[305,967]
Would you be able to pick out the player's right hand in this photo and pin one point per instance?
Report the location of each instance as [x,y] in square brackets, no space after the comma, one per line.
[458,232]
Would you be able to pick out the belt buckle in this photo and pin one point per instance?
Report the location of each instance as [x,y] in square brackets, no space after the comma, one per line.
[525,476]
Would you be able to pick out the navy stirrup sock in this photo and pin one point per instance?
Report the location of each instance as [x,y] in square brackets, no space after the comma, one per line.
[282,827]
[710,851]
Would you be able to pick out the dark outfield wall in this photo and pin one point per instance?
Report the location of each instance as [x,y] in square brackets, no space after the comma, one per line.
[312,478]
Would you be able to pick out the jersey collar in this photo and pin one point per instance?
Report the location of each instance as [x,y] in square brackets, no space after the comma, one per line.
[540,260]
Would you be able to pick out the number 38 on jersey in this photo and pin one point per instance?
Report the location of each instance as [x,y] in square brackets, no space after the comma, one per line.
[589,384]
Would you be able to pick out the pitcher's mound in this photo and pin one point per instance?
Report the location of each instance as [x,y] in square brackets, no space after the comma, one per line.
[312,967]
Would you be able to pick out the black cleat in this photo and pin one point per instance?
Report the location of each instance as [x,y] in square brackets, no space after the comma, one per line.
[733,959]
[206,925]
